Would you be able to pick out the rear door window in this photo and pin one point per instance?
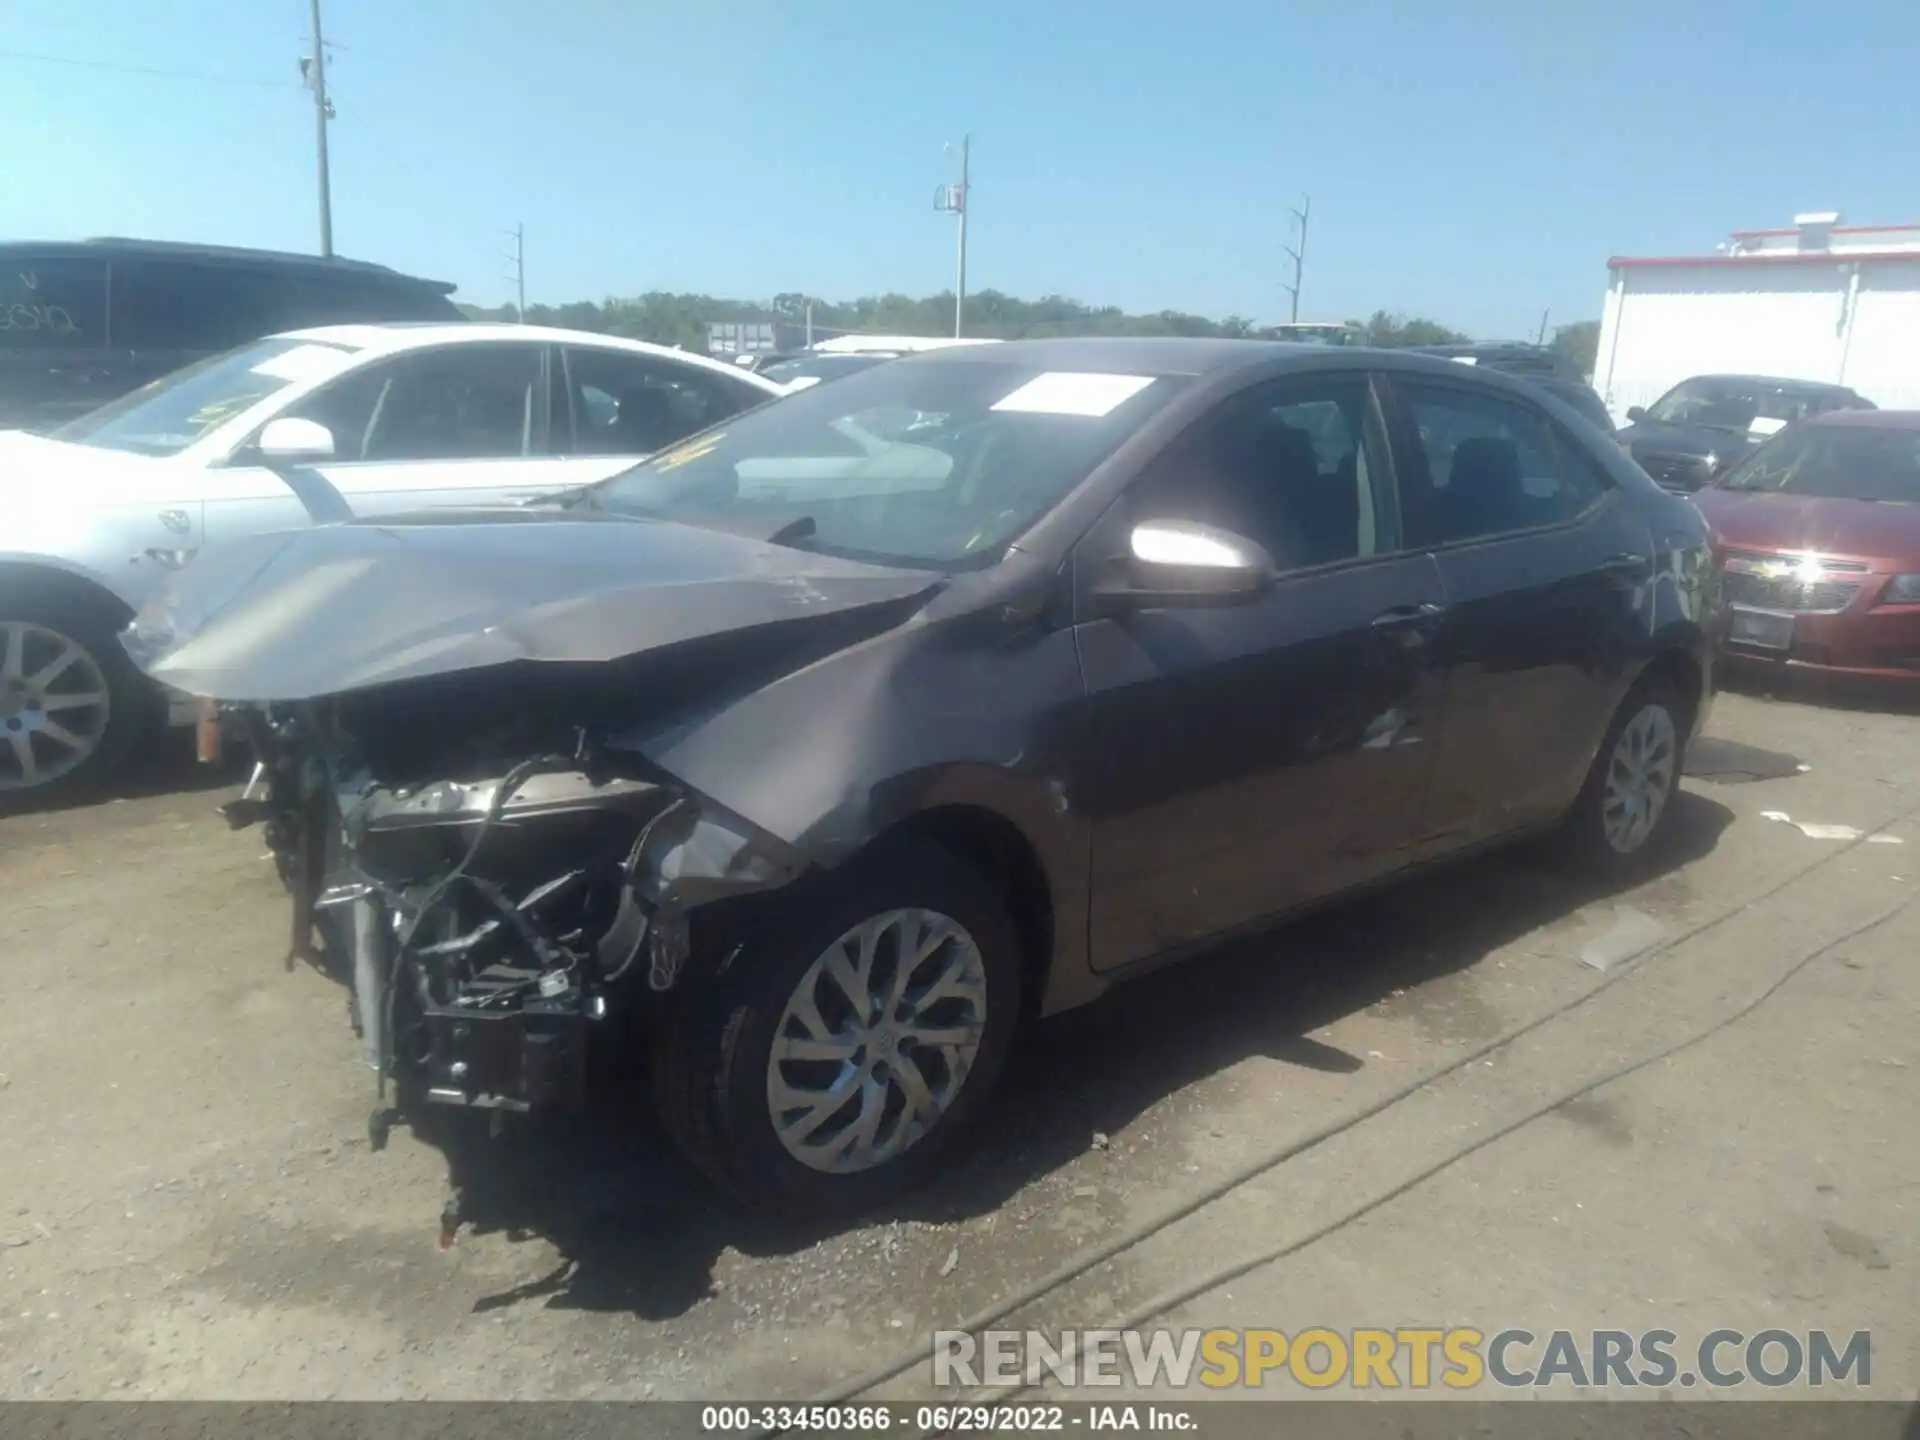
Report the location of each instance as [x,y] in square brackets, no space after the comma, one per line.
[1486,465]
[629,404]
[52,304]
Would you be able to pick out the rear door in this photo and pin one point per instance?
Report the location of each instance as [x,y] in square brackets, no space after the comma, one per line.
[1547,571]
[1237,762]
[614,407]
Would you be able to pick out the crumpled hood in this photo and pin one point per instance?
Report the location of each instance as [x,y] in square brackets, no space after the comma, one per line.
[301,614]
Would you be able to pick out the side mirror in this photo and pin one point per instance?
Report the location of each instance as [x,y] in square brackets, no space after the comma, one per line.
[1184,563]
[292,441]
[1636,413]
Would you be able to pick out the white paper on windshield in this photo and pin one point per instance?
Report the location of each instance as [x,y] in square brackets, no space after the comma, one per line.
[304,362]
[1766,425]
[1072,392]
[1464,359]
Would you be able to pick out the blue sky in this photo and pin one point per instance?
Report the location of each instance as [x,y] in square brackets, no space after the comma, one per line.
[1475,160]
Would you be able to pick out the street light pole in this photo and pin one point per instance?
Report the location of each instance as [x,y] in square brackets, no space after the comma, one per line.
[317,77]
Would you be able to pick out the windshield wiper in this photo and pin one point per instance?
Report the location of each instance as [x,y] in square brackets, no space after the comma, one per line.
[794,530]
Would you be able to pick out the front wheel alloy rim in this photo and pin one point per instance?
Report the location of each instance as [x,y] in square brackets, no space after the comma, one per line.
[877,1041]
[53,705]
[1639,778]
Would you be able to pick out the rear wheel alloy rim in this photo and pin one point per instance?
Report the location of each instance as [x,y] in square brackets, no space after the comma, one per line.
[876,1041]
[1639,778]
[53,705]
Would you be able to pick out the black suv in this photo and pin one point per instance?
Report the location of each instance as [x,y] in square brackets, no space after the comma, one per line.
[83,322]
[1539,365]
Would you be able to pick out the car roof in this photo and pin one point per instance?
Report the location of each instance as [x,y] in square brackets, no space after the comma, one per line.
[402,335]
[1869,419]
[1199,356]
[112,247]
[1777,382]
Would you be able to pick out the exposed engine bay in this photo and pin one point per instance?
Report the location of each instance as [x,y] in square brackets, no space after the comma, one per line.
[486,912]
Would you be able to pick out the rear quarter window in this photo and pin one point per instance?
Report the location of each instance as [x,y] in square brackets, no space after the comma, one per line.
[52,304]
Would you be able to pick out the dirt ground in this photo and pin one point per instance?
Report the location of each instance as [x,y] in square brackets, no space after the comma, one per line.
[189,1206]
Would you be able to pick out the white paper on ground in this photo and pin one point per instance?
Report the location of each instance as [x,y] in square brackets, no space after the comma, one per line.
[1072,392]
[1634,932]
[1816,830]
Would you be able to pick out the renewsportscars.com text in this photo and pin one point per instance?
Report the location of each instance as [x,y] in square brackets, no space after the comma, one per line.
[1406,1358]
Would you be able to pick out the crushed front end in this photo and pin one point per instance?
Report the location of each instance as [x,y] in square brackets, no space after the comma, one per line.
[490,909]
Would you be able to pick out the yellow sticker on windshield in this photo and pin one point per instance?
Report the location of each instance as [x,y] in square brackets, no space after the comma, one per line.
[686,454]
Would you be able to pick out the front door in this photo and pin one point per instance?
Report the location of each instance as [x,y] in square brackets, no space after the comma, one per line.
[1547,574]
[452,425]
[1238,762]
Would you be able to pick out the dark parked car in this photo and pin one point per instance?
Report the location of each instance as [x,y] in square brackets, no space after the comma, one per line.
[829,756]
[816,367]
[85,322]
[1819,532]
[1705,424]
[1511,357]
[1549,369]
[1580,395]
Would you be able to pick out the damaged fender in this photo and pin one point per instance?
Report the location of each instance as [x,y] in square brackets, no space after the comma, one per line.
[829,757]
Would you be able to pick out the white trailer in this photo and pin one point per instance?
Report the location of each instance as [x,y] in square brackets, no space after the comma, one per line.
[1819,301]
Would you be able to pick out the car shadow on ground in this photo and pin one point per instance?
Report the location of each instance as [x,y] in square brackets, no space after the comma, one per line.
[638,1231]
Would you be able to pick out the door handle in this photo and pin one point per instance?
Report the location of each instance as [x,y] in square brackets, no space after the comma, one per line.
[1409,623]
[1631,567]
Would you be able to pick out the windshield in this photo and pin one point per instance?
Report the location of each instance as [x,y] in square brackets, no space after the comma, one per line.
[1735,404]
[1837,463]
[167,416]
[921,462]
[820,367]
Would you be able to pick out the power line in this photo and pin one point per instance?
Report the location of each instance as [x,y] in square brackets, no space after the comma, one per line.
[142,70]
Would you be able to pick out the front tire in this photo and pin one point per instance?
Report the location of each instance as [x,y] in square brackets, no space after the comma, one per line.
[71,702]
[851,1040]
[1625,807]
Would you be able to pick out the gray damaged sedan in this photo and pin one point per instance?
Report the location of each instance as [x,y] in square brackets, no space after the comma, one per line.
[829,743]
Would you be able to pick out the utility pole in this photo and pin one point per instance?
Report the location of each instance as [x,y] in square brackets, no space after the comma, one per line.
[1543,327]
[520,271]
[519,276]
[957,199]
[1299,254]
[809,324]
[315,72]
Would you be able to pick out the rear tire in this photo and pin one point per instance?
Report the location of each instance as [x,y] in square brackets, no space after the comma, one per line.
[1624,811]
[72,703]
[857,1128]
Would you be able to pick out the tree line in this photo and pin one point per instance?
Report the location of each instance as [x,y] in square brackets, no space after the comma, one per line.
[669,318]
